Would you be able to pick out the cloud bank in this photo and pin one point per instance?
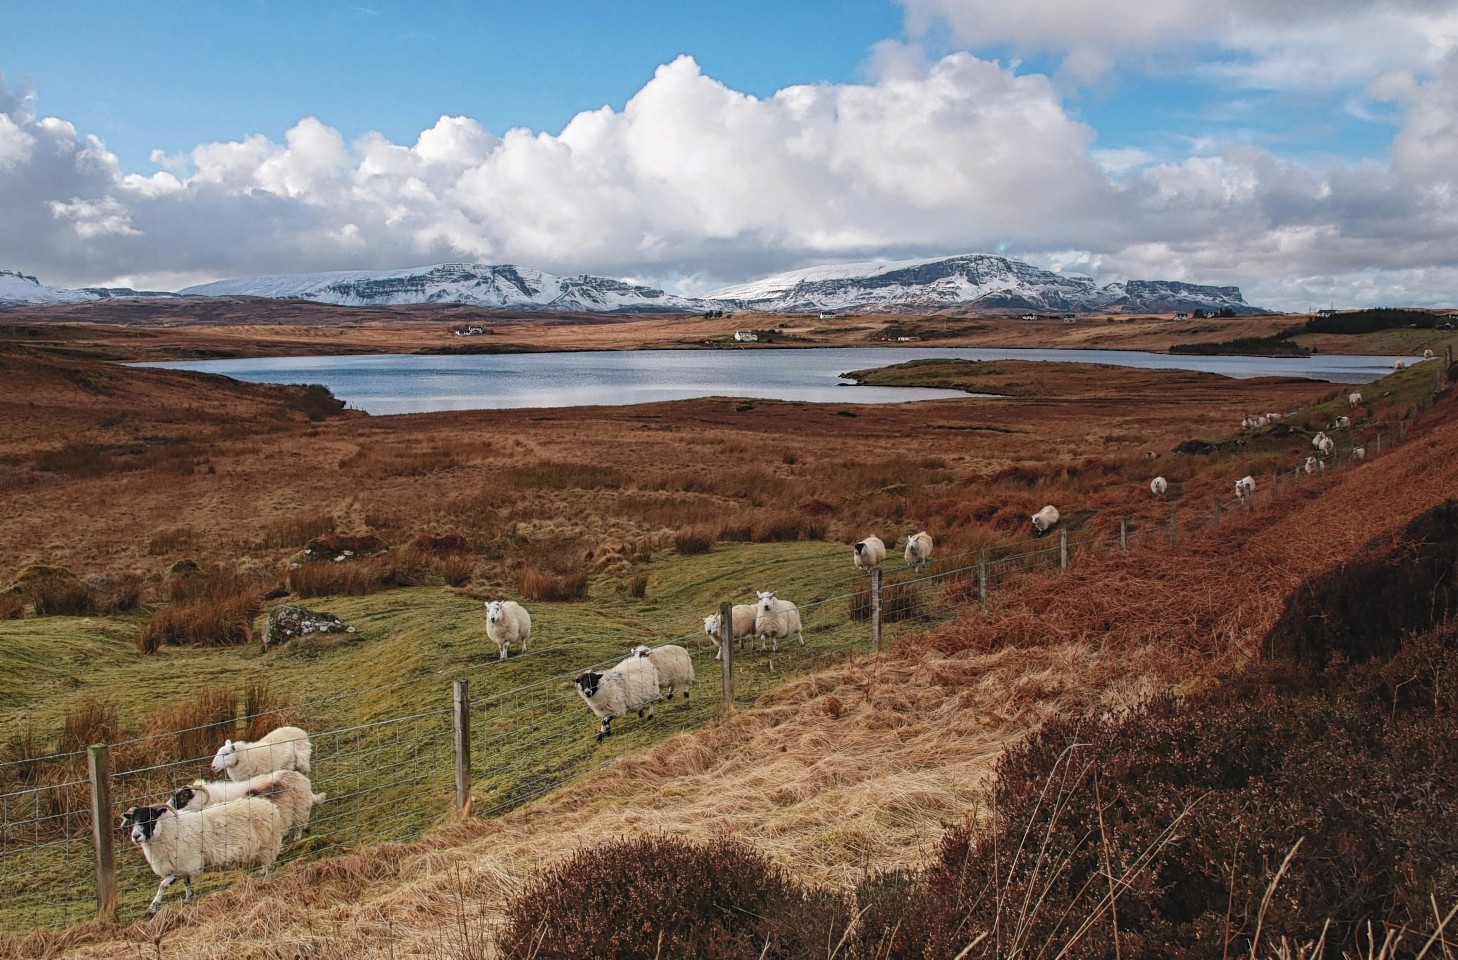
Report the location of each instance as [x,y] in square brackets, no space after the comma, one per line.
[693,184]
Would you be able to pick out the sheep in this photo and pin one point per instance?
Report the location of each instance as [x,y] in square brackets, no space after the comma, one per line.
[869,553]
[1354,400]
[286,748]
[1259,422]
[1327,446]
[180,844]
[1245,487]
[1158,486]
[1316,440]
[1312,465]
[1273,417]
[1150,455]
[1399,365]
[1359,453]
[289,790]
[742,618]
[1341,423]
[674,665]
[776,618]
[1427,354]
[918,550]
[1246,423]
[631,685]
[1044,520]
[507,622]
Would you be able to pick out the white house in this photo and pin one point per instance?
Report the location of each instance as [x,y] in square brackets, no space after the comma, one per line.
[1182,316]
[745,336]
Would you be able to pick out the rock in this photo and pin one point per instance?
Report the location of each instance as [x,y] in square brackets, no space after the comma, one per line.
[288,622]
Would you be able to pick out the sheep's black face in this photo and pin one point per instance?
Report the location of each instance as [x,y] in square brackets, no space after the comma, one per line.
[588,683]
[183,797]
[860,548]
[142,820]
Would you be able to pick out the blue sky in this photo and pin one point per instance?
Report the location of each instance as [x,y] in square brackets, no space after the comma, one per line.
[1305,151]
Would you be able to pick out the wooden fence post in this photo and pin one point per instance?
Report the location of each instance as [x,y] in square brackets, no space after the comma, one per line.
[726,649]
[1174,527]
[982,578]
[876,610]
[1378,451]
[1215,504]
[1124,534]
[1063,549]
[461,699]
[99,762]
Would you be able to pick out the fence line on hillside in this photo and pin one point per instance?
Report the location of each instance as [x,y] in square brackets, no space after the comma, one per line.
[389,778]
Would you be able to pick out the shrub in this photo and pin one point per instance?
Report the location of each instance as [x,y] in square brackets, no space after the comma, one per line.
[55,591]
[638,586]
[91,721]
[553,588]
[457,571]
[348,579]
[205,622]
[193,730]
[12,605]
[264,709]
[899,601]
[690,542]
[661,896]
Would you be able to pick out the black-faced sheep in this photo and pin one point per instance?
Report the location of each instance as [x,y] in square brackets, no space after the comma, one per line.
[869,553]
[674,665]
[918,550]
[181,844]
[289,790]
[1044,520]
[776,619]
[630,686]
[743,616]
[507,622]
[286,748]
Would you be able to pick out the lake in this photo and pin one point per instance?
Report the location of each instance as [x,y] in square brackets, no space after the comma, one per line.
[411,383]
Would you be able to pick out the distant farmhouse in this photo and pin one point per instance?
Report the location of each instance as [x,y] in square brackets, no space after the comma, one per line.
[1326,313]
[745,336]
[1182,316]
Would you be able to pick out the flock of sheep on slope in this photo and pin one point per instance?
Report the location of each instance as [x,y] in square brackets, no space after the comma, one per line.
[237,822]
[243,820]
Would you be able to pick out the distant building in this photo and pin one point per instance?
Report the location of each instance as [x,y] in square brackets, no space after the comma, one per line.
[1326,313]
[826,316]
[745,336]
[1028,316]
[1182,316]
[1069,318]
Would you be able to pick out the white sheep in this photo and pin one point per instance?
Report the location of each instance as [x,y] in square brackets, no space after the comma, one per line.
[1359,453]
[289,790]
[1245,487]
[776,618]
[742,618]
[1246,423]
[674,665]
[1158,486]
[631,685]
[1259,422]
[286,748]
[1044,520]
[1341,423]
[869,553]
[1427,354]
[918,550]
[1312,465]
[1316,440]
[1354,400]
[1399,365]
[1273,417]
[181,844]
[1327,446]
[507,622]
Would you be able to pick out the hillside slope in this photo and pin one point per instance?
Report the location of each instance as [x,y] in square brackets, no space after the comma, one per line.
[856,768]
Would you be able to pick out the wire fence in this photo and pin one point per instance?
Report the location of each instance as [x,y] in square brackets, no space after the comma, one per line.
[486,739]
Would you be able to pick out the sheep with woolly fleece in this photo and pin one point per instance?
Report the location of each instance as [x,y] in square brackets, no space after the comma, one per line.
[741,625]
[1359,453]
[1341,423]
[507,622]
[1327,446]
[1245,487]
[630,686]
[674,665]
[1427,354]
[1312,465]
[1259,422]
[869,553]
[1044,520]
[284,748]
[918,549]
[1398,365]
[289,790]
[1246,423]
[1354,400]
[181,844]
[1273,417]
[776,618]
[1158,486]
[1316,440]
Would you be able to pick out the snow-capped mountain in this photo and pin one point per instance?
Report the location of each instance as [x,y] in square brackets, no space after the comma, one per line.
[974,280]
[476,284]
[18,289]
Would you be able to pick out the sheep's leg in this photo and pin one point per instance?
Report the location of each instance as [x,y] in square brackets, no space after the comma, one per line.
[162,888]
[801,635]
[606,730]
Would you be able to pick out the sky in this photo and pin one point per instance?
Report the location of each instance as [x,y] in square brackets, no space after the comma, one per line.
[1306,151]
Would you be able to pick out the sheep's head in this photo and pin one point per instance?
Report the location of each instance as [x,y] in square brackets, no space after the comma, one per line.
[226,757]
[588,683]
[141,821]
[182,798]
[711,625]
[767,600]
[493,611]
[639,651]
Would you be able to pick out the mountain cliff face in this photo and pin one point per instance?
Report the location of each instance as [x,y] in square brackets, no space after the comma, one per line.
[20,288]
[476,284]
[970,281]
